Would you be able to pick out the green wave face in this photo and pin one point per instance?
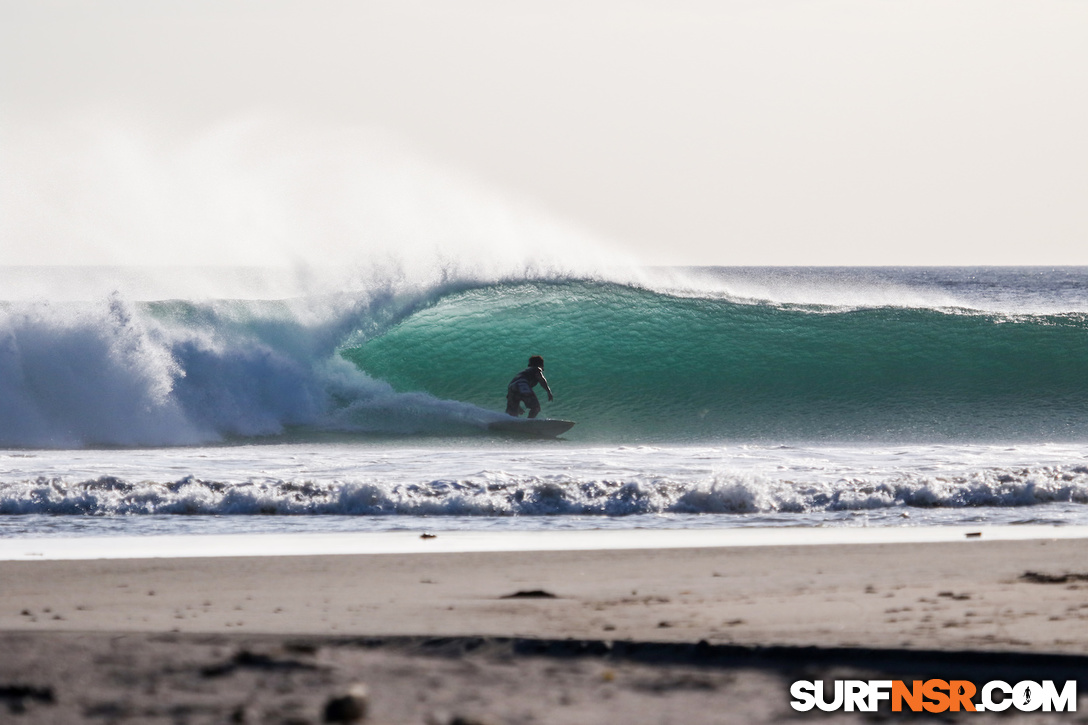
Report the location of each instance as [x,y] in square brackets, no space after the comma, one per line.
[636,366]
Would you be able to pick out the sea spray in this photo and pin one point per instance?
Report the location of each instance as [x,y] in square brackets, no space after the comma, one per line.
[328,207]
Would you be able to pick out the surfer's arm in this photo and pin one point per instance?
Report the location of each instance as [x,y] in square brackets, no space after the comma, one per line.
[544,384]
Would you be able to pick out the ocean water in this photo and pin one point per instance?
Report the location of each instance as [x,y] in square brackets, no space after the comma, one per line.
[709,397]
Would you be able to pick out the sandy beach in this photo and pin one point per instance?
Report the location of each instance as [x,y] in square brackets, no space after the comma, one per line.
[722,631]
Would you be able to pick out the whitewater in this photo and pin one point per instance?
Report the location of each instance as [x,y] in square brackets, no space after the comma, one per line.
[712,397]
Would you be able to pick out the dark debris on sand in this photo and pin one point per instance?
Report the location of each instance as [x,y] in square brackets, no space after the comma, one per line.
[1036,577]
[530,594]
[180,679]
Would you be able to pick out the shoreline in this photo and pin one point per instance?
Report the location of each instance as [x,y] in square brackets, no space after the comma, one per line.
[449,542]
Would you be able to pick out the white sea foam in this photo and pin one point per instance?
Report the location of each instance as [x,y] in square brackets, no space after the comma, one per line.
[114,373]
[545,482]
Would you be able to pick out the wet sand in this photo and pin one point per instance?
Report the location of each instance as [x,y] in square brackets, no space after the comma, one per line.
[874,604]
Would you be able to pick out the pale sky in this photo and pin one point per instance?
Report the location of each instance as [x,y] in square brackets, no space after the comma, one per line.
[687,132]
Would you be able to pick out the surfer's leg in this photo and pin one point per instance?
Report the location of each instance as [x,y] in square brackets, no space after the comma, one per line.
[533,404]
[520,392]
[513,403]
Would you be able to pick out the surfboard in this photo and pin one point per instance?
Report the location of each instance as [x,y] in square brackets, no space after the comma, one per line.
[534,427]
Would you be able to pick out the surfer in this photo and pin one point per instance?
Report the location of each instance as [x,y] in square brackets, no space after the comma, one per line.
[520,389]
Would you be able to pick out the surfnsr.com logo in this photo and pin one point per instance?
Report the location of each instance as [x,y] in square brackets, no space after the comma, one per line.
[934,696]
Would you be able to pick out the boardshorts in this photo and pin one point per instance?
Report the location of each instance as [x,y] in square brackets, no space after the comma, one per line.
[519,391]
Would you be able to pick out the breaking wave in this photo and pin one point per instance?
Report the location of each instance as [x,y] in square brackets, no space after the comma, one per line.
[628,362]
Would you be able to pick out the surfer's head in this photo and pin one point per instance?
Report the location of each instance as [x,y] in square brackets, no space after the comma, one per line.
[536,362]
